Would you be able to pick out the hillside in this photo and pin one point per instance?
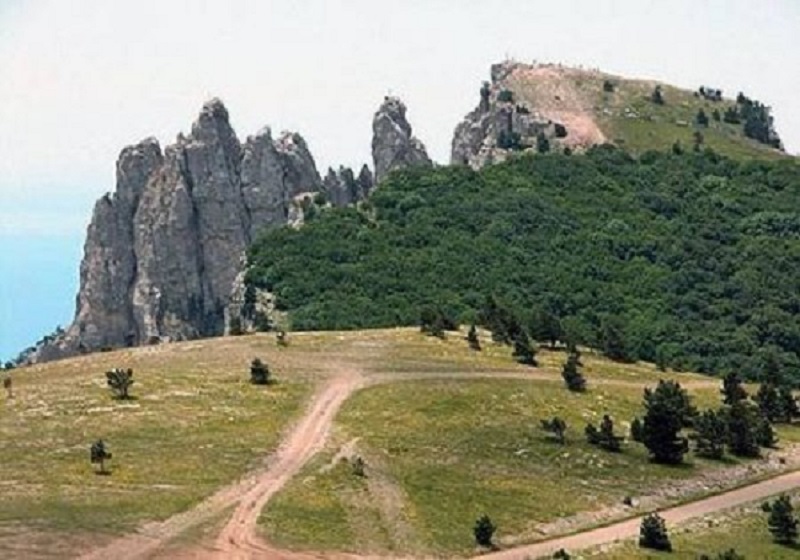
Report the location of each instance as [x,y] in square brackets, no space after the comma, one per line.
[575,109]
[694,259]
[204,461]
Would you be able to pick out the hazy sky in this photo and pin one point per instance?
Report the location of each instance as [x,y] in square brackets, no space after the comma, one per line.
[81,79]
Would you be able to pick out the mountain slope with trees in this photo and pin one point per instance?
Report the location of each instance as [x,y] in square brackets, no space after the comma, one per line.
[689,260]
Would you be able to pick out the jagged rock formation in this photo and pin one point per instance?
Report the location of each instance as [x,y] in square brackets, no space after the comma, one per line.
[393,144]
[501,124]
[343,188]
[162,253]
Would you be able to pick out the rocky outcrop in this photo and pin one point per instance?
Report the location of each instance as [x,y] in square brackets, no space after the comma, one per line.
[502,124]
[343,188]
[162,253]
[393,144]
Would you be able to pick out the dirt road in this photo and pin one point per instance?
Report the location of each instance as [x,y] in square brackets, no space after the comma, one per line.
[630,528]
[237,539]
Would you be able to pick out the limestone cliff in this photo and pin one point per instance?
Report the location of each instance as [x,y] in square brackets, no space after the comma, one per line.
[163,257]
[162,252]
[393,144]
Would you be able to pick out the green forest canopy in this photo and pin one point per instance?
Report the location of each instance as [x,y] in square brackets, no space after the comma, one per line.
[695,257]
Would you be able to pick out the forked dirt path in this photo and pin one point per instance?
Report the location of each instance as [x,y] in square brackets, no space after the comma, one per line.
[239,540]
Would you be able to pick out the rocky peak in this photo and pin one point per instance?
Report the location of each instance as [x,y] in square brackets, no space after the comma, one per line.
[344,188]
[502,124]
[300,170]
[393,143]
[163,253]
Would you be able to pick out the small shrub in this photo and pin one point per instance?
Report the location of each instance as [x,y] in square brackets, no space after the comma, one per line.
[281,338]
[484,531]
[505,96]
[782,522]
[472,338]
[259,373]
[608,86]
[557,428]
[653,533]
[99,454]
[358,465]
[120,382]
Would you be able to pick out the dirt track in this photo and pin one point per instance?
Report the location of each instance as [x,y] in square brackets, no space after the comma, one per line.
[238,538]
[630,528]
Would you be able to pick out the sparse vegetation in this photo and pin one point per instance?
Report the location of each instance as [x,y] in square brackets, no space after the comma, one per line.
[556,428]
[653,533]
[98,455]
[120,382]
[484,531]
[259,373]
[782,522]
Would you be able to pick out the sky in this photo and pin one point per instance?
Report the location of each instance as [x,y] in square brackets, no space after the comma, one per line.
[80,80]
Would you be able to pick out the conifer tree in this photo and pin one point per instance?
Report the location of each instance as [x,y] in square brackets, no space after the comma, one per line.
[605,436]
[732,390]
[653,533]
[573,378]
[99,454]
[768,402]
[666,410]
[782,522]
[741,419]
[484,531]
[472,338]
[557,428]
[259,373]
[120,382]
[524,351]
[710,435]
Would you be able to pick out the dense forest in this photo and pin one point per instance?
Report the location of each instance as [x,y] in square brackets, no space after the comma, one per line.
[691,261]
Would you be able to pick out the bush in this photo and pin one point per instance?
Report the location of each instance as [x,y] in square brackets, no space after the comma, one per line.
[484,531]
[259,373]
[99,454]
[120,381]
[505,96]
[653,533]
[608,86]
[782,522]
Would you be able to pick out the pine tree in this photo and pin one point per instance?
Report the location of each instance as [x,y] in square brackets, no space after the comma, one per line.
[653,533]
[701,119]
[484,531]
[710,435]
[765,434]
[768,402]
[524,352]
[787,405]
[741,419]
[666,411]
[98,454]
[605,436]
[472,338]
[259,373]
[573,378]
[120,381]
[557,428]
[657,97]
[613,339]
[782,522]
[732,390]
